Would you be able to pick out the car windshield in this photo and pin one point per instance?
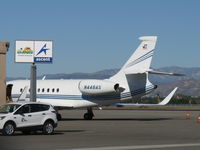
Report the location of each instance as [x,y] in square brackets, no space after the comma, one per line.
[8,108]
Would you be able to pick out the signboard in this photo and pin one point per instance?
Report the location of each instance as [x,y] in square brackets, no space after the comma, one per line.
[33,51]
[24,51]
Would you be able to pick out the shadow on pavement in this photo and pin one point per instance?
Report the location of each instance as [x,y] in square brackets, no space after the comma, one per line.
[56,132]
[119,119]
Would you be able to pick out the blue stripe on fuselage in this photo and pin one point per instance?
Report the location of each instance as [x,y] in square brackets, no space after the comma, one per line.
[96,97]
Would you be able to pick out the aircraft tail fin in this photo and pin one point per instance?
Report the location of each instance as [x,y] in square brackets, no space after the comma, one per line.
[141,58]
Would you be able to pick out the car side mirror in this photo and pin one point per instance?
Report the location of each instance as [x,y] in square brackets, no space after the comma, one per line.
[19,114]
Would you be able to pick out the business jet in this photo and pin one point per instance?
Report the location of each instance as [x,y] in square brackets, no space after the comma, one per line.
[131,82]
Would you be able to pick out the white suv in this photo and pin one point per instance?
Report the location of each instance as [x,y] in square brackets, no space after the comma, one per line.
[27,117]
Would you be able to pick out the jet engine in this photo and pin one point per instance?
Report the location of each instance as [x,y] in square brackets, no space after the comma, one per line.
[99,87]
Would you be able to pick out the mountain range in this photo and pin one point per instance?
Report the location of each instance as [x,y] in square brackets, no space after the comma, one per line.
[188,85]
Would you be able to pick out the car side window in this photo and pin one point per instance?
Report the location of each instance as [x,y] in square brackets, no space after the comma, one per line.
[39,107]
[44,107]
[23,110]
[34,108]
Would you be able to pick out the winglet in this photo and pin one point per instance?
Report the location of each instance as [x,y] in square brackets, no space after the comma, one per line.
[22,97]
[44,77]
[164,102]
[168,98]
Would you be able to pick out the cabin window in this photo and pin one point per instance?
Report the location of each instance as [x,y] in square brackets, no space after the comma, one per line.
[43,90]
[21,90]
[53,90]
[48,90]
[57,90]
[38,90]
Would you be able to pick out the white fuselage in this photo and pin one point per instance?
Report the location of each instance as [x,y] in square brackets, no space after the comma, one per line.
[66,93]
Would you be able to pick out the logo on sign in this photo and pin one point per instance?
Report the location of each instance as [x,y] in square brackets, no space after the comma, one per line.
[43,52]
[25,50]
[43,49]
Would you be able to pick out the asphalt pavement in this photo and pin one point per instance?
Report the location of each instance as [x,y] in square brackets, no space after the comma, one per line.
[114,129]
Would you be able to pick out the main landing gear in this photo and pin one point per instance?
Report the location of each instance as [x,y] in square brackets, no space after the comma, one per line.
[89,115]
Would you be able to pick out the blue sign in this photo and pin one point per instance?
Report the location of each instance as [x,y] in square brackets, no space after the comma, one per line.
[43,52]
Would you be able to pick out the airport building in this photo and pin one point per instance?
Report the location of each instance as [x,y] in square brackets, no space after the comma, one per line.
[3,50]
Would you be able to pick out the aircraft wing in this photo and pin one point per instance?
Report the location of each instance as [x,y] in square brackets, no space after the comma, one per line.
[22,97]
[164,102]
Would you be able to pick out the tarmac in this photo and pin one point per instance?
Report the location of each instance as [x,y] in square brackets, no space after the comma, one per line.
[114,130]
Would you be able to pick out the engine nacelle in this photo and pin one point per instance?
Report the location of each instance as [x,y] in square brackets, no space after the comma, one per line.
[98,87]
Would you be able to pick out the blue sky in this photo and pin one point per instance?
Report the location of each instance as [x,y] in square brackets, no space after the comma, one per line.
[91,35]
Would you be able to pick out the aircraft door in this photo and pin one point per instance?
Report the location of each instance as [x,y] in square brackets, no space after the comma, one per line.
[9,93]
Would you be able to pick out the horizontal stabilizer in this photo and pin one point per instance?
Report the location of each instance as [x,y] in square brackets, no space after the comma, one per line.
[164,73]
[164,102]
[150,71]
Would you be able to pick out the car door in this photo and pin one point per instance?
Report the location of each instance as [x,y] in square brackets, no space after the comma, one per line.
[23,117]
[37,114]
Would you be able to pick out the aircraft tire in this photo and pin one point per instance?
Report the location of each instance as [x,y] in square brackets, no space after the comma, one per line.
[88,116]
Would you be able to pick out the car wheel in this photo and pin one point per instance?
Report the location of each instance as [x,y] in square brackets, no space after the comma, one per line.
[9,129]
[48,128]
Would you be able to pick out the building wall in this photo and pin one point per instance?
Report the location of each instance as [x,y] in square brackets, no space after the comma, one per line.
[3,50]
[2,79]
